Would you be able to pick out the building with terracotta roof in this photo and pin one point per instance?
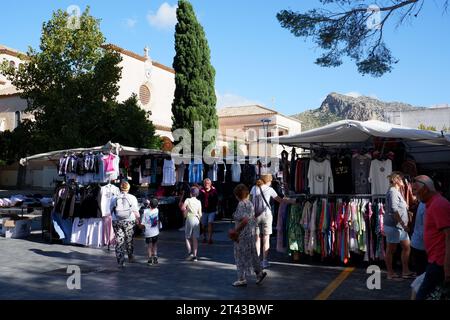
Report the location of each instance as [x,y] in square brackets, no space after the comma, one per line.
[152,82]
[247,124]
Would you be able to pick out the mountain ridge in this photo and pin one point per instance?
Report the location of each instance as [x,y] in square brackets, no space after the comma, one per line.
[337,107]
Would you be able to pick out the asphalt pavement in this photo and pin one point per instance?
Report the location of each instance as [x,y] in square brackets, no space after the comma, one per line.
[34,269]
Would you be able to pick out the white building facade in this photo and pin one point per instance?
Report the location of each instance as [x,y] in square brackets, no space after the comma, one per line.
[437,117]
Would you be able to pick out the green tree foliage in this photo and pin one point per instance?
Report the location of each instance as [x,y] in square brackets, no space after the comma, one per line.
[347,28]
[195,98]
[424,127]
[71,86]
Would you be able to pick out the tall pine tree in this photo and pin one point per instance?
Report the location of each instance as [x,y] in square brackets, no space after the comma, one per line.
[195,98]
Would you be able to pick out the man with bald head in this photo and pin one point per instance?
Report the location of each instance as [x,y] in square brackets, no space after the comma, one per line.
[436,235]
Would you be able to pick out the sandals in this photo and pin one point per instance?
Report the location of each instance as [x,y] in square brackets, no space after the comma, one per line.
[411,275]
[395,277]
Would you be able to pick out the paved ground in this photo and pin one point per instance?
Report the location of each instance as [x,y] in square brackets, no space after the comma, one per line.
[33,269]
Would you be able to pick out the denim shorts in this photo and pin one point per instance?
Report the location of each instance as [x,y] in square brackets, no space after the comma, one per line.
[208,218]
[395,235]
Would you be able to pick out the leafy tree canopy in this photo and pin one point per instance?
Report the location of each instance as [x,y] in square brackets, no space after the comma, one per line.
[353,28]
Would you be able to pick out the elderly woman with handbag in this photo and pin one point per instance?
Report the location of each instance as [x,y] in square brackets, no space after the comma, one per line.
[244,236]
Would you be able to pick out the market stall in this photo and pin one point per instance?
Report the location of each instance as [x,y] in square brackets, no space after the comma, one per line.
[339,179]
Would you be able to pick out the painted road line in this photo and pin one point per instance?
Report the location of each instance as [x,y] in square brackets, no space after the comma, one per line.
[325,294]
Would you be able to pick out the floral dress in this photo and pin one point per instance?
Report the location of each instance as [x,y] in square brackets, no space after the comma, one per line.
[245,250]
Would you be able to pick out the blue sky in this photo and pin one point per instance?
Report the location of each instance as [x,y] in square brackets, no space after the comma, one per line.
[255,59]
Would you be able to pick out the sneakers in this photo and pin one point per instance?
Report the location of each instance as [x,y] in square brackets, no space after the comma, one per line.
[260,277]
[131,259]
[194,258]
[121,266]
[190,257]
[265,264]
[152,260]
[240,283]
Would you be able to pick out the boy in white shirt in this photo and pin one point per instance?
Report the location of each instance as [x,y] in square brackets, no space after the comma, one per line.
[151,223]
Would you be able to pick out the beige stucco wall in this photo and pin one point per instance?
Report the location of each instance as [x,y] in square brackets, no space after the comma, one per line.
[8,107]
[161,84]
[252,129]
[7,57]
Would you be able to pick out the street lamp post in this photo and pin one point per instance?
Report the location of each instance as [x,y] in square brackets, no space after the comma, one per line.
[265,124]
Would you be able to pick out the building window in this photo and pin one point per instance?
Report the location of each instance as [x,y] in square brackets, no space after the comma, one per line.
[269,134]
[144,95]
[17,119]
[12,64]
[280,133]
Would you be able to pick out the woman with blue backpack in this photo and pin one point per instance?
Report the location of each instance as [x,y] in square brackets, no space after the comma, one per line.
[125,216]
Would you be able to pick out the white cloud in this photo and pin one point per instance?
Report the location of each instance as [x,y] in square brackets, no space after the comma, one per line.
[131,23]
[233,100]
[353,94]
[164,18]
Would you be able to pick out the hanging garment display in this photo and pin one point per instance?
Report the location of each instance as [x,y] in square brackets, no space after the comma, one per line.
[378,176]
[360,173]
[169,176]
[320,177]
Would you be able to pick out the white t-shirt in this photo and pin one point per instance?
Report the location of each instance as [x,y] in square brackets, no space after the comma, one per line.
[194,207]
[268,193]
[378,176]
[169,176]
[150,219]
[236,172]
[134,207]
[320,177]
[107,193]
[212,173]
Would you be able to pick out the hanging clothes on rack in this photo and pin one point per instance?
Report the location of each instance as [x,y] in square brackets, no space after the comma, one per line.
[378,177]
[360,173]
[320,177]
[292,168]
[169,176]
[195,172]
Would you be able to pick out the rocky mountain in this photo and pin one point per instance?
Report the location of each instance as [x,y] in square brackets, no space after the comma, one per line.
[339,107]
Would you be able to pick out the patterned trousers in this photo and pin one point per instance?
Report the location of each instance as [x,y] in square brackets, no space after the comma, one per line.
[124,231]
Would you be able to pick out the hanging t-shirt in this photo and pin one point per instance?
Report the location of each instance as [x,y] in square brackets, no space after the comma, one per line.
[107,193]
[342,174]
[180,172]
[169,178]
[320,177]
[360,172]
[236,172]
[212,172]
[109,163]
[378,177]
[150,220]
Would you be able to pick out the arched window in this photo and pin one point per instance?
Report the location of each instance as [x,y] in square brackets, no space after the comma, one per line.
[144,94]
[17,119]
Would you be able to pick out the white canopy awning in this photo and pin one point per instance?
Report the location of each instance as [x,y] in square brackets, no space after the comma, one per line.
[425,146]
[115,147]
[352,131]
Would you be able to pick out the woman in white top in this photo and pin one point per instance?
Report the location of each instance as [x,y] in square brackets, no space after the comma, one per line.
[192,211]
[265,219]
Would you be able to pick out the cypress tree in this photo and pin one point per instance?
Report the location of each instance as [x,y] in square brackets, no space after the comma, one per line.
[195,98]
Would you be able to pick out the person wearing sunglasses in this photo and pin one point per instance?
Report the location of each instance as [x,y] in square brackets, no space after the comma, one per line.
[436,235]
